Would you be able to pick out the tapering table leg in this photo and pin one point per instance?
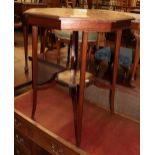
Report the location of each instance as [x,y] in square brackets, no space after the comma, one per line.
[25,33]
[34,68]
[68,56]
[74,92]
[136,60]
[81,88]
[115,68]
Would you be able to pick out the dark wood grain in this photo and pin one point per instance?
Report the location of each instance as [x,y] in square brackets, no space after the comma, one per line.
[82,85]
[34,67]
[115,68]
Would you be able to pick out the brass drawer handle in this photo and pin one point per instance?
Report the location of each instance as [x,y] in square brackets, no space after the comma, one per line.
[61,151]
[19,139]
[56,149]
[17,123]
[53,146]
[17,152]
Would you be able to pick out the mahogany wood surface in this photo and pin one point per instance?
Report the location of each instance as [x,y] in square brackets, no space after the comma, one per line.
[77,20]
[34,67]
[77,14]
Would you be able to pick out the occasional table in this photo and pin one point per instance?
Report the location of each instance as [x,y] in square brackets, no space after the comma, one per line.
[77,20]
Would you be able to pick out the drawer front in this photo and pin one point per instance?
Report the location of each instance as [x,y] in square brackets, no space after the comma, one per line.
[42,137]
[53,146]
[22,127]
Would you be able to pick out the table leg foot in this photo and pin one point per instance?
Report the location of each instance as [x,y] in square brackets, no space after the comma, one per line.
[133,83]
[26,69]
[33,114]
[34,108]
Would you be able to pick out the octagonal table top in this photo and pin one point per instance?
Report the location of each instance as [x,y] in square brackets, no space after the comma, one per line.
[78,19]
[79,14]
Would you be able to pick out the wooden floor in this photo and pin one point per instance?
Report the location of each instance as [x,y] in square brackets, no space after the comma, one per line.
[102,134]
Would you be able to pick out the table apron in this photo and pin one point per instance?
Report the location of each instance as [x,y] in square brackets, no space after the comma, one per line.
[78,25]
